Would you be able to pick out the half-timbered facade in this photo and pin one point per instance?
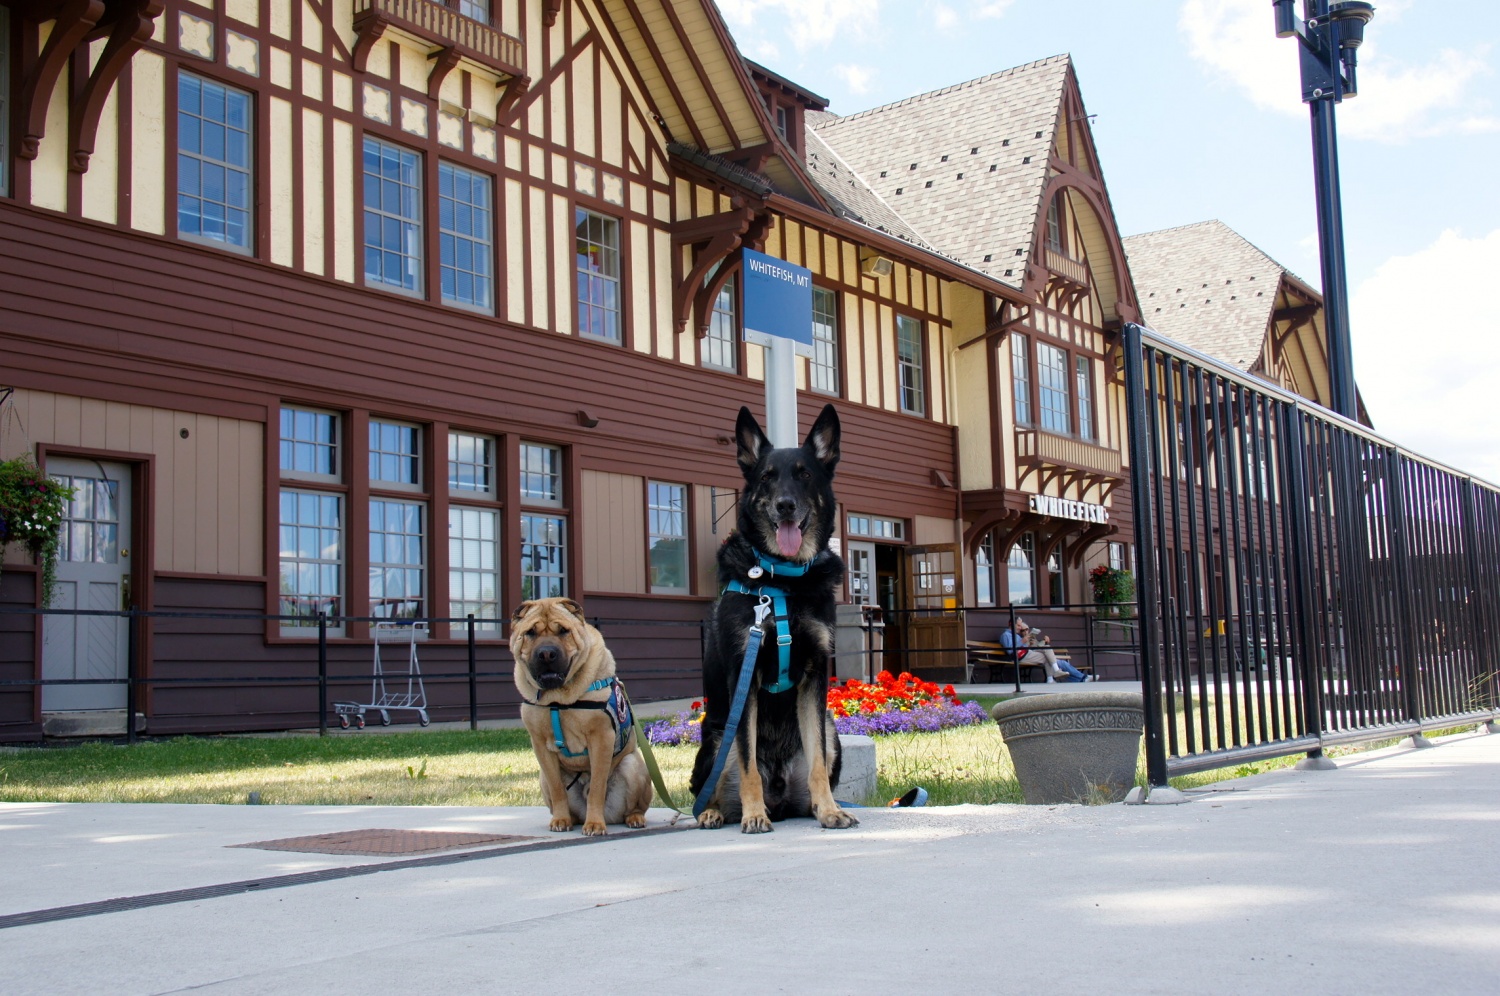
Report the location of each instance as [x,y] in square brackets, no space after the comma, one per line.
[398,309]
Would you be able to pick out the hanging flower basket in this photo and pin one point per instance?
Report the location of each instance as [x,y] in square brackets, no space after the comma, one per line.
[32,506]
[1114,591]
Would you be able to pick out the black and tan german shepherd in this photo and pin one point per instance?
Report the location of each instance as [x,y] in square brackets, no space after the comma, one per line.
[786,517]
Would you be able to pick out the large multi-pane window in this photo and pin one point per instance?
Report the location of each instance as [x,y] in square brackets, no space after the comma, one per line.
[1020,570]
[214,188]
[1020,376]
[474,567]
[479,10]
[397,559]
[473,534]
[1052,388]
[309,444]
[543,543]
[395,454]
[909,365]
[598,252]
[393,216]
[465,237]
[1084,385]
[823,368]
[984,571]
[667,537]
[312,557]
[721,345]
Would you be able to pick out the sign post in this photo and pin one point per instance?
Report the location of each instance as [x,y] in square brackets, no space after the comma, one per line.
[778,317]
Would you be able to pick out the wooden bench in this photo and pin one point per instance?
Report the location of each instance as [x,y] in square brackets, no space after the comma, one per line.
[998,659]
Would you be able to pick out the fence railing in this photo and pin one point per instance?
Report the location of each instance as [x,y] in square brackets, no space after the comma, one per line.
[306,666]
[1302,581]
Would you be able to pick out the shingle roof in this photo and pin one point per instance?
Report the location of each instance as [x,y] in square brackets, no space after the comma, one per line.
[965,165]
[850,193]
[1206,286]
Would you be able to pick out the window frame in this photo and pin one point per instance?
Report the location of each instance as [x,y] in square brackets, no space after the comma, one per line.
[491,464]
[1021,380]
[416,455]
[416,264]
[536,508]
[481,248]
[336,445]
[1044,390]
[829,343]
[288,628]
[1083,397]
[986,574]
[1026,545]
[485,627]
[723,335]
[911,372]
[250,208]
[683,513]
[581,307]
[423,564]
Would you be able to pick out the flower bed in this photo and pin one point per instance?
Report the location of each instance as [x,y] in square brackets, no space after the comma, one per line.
[892,704]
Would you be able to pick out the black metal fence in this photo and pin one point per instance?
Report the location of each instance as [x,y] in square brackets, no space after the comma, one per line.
[469,674]
[1302,581]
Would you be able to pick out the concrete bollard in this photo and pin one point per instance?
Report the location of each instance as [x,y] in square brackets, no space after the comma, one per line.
[857,775]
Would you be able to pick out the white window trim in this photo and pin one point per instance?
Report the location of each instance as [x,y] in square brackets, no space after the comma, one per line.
[423,566]
[687,560]
[286,627]
[492,493]
[532,500]
[288,474]
[381,483]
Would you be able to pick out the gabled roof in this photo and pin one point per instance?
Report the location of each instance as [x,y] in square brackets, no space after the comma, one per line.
[849,194]
[1208,287]
[996,131]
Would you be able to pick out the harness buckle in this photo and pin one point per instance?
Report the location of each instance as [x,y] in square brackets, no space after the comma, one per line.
[763,610]
[784,639]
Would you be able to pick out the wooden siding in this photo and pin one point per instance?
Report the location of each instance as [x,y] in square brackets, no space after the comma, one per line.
[614,558]
[209,484]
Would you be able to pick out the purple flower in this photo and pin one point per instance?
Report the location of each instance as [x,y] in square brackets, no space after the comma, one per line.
[684,728]
[928,717]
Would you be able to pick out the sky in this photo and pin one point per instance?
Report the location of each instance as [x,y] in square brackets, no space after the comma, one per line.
[1197,114]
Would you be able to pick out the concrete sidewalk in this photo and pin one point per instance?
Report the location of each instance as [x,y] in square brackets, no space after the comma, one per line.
[1377,877]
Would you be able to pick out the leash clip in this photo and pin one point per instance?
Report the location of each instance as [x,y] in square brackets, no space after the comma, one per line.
[762,610]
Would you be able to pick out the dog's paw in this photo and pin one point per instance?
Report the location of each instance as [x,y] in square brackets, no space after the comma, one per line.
[560,825]
[594,828]
[756,824]
[837,819]
[635,821]
[710,819]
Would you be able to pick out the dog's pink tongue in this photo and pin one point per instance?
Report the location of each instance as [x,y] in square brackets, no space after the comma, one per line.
[788,539]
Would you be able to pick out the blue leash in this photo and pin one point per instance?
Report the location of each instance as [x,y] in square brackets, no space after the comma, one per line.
[736,711]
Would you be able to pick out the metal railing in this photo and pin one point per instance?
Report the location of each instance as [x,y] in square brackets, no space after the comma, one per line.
[1302,581]
[321,665]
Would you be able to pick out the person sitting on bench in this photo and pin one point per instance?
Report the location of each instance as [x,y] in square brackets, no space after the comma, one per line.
[1037,649]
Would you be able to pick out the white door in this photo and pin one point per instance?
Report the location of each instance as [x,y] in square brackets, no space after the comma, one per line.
[862,573]
[93,572]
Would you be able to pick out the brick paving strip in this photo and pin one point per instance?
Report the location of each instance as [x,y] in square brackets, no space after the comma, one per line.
[126,903]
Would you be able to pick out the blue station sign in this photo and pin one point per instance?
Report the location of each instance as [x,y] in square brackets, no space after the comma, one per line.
[778,298]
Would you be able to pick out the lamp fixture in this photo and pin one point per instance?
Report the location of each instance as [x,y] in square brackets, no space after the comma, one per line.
[872,264]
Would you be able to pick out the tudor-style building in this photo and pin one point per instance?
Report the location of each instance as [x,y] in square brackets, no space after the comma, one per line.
[392,308]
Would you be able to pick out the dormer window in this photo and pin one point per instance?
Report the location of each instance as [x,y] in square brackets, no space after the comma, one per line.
[783,121]
[1054,226]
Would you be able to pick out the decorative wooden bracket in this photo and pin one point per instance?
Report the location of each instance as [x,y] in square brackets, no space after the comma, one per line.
[550,10]
[370,25]
[132,27]
[1081,544]
[73,23]
[515,88]
[443,62]
[1003,316]
[717,236]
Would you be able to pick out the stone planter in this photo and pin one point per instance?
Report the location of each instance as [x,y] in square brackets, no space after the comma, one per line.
[1073,746]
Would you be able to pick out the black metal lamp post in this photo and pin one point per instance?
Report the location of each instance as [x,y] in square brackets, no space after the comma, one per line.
[1328,41]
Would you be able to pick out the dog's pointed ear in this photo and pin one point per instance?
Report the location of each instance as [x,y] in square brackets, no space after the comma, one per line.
[751,442]
[823,439]
[573,607]
[521,610]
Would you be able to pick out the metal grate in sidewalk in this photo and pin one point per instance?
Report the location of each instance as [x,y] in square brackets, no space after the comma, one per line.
[381,842]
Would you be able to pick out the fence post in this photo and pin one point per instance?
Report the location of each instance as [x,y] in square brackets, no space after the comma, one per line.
[322,673]
[132,668]
[1299,550]
[473,680]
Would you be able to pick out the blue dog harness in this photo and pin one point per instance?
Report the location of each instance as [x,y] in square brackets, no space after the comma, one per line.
[772,603]
[620,714]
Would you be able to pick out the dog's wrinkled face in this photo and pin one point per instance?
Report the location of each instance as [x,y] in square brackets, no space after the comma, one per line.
[548,638]
[788,506]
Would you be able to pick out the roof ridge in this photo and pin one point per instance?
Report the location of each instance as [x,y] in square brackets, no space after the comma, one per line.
[1230,230]
[840,118]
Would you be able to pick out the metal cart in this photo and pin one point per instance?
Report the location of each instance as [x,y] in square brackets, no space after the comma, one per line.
[382,697]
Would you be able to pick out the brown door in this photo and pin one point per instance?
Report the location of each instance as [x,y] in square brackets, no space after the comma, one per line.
[934,592]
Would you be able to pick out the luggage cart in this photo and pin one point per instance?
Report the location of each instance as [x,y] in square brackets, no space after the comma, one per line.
[382,697]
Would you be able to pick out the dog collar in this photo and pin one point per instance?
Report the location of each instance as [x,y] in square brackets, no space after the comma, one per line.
[776,567]
[773,601]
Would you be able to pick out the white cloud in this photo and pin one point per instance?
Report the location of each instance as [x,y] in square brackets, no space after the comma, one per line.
[1428,363]
[992,8]
[856,78]
[806,22]
[945,17]
[1235,43]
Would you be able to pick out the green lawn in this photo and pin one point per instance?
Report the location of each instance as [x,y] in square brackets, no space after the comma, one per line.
[457,768]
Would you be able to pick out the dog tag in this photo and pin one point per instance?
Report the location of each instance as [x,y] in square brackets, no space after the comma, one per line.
[755,572]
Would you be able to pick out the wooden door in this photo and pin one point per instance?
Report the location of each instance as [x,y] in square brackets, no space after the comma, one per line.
[934,592]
